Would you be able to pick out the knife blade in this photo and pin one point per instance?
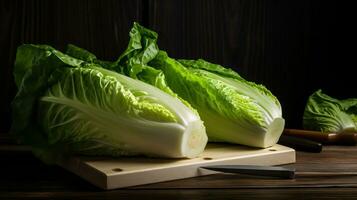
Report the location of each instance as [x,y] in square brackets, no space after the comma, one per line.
[300,144]
[274,171]
[270,171]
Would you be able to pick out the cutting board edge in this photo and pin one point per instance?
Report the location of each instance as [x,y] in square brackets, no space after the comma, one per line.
[85,171]
[116,181]
[285,156]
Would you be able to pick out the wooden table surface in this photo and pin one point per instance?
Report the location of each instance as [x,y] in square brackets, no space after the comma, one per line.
[22,176]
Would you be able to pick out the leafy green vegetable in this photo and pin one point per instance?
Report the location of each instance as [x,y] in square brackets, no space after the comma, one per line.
[350,107]
[326,114]
[66,105]
[133,61]
[233,109]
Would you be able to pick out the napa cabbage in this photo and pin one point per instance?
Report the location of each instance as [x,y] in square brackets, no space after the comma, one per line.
[67,106]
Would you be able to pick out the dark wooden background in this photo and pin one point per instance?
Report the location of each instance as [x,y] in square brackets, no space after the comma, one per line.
[293,47]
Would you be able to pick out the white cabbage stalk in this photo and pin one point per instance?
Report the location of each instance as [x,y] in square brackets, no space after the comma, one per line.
[104,112]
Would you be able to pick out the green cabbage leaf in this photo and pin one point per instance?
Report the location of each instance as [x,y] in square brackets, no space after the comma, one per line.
[234,110]
[327,114]
[66,106]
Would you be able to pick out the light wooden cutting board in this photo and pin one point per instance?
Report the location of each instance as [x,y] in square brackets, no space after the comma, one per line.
[108,173]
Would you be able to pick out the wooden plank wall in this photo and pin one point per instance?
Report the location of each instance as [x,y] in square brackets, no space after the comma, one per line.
[292,47]
[100,26]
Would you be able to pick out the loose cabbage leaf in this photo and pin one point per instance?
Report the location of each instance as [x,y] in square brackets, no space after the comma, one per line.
[327,114]
[141,49]
[350,107]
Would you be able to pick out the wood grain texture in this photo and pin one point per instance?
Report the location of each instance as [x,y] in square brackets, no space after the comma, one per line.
[99,26]
[103,172]
[276,194]
[25,177]
[291,47]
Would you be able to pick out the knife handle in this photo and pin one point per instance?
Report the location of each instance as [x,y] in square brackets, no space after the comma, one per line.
[343,138]
[346,139]
[311,135]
